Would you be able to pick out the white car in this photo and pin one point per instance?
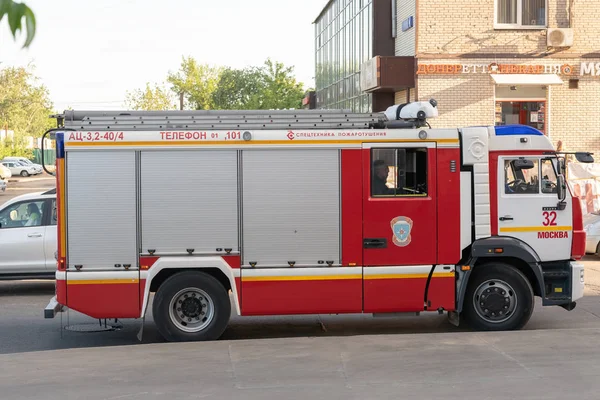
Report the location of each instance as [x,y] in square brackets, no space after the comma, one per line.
[591,225]
[18,168]
[28,236]
[25,161]
[4,172]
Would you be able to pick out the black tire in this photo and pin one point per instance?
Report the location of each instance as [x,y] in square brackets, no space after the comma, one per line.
[166,322]
[491,281]
[24,173]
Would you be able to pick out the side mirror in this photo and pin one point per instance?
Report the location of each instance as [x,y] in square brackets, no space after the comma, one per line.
[584,157]
[523,164]
[561,188]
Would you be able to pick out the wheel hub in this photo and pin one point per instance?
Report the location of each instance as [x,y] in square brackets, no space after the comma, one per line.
[495,301]
[191,310]
[191,307]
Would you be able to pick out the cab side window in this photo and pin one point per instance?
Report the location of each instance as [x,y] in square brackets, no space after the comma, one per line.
[522,176]
[549,179]
[399,172]
[23,214]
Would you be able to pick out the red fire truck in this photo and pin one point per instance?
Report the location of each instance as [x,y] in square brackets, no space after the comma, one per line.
[309,212]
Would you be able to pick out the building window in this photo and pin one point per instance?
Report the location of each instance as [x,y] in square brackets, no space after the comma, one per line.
[523,14]
[399,172]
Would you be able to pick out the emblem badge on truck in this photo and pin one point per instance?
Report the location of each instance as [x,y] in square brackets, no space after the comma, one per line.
[401,227]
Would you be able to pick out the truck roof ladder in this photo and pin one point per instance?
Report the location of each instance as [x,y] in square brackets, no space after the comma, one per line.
[221,120]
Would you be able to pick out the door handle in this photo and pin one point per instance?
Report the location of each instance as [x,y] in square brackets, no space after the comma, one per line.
[506,218]
[34,235]
[374,243]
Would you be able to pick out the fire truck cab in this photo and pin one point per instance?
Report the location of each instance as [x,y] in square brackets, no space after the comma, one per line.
[201,213]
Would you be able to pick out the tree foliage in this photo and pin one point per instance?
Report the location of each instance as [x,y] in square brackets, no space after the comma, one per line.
[206,87]
[151,98]
[272,86]
[197,81]
[25,108]
[16,12]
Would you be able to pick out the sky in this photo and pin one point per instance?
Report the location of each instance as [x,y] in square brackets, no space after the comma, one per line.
[90,53]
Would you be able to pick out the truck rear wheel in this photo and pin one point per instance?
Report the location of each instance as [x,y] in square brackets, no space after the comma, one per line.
[499,297]
[191,306]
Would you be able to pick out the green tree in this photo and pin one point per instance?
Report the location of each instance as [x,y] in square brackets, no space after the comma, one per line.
[271,86]
[16,12]
[238,89]
[25,108]
[280,88]
[151,98]
[197,81]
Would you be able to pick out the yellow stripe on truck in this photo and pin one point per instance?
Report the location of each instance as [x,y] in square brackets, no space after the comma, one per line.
[101,281]
[410,276]
[256,142]
[299,278]
[536,229]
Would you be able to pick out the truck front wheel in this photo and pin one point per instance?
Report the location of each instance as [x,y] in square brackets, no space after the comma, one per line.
[499,297]
[191,306]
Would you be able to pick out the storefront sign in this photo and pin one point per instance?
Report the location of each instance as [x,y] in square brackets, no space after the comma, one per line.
[455,69]
[590,68]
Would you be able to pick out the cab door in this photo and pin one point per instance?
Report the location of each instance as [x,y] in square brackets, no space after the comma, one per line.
[399,226]
[527,206]
[399,204]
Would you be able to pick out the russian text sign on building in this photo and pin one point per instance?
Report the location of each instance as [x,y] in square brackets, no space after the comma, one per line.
[590,68]
[458,69]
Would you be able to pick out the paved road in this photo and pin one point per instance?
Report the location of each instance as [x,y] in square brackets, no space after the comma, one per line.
[345,357]
[19,185]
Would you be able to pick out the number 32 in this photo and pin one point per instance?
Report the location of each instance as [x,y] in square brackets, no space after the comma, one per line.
[549,218]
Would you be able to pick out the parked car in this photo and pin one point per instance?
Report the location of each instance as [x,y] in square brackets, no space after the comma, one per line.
[25,161]
[28,236]
[2,185]
[4,172]
[591,225]
[18,168]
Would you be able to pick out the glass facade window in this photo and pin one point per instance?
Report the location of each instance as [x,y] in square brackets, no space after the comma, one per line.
[343,41]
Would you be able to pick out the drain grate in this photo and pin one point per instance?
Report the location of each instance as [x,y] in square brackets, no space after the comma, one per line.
[90,328]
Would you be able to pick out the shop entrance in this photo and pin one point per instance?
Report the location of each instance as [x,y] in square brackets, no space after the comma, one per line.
[523,105]
[531,113]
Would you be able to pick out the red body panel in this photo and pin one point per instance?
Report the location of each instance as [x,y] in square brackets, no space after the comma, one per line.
[302,297]
[61,291]
[394,295]
[448,208]
[102,300]
[147,262]
[233,261]
[378,214]
[441,293]
[352,211]
[579,235]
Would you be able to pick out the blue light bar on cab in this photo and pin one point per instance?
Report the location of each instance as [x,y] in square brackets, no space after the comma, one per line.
[513,130]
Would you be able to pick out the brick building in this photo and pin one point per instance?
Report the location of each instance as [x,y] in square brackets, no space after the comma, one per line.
[494,62]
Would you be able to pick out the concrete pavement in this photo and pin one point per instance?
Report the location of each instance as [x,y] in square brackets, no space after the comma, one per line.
[300,357]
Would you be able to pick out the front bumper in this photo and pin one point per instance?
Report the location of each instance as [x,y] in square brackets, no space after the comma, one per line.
[577,280]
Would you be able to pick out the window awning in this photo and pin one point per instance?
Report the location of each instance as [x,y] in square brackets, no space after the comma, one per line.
[527,79]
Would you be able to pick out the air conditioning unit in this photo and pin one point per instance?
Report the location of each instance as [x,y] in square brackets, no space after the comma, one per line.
[559,37]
